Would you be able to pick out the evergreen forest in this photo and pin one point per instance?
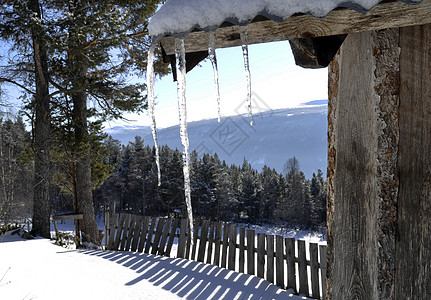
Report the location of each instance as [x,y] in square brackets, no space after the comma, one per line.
[124,178]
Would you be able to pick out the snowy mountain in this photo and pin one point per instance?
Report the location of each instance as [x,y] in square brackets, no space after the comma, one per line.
[275,136]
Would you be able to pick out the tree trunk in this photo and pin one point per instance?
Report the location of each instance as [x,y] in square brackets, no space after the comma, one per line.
[42,132]
[84,192]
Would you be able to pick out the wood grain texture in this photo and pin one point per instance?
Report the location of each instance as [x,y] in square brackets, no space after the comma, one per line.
[225,245]
[119,231]
[322,258]
[149,240]
[130,232]
[413,254]
[362,166]
[341,21]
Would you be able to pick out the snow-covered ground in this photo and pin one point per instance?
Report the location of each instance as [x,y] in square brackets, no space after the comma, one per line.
[38,269]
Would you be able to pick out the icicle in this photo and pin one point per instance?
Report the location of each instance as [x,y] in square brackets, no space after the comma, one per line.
[180,56]
[247,72]
[213,59]
[150,85]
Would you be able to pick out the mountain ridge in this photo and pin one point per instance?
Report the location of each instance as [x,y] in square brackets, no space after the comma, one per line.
[275,136]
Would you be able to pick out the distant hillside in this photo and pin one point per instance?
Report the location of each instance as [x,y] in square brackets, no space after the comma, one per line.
[276,136]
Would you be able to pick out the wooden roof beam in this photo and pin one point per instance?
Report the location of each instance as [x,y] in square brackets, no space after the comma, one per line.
[338,22]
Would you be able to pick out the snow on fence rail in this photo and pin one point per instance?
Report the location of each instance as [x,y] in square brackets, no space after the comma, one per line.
[226,246]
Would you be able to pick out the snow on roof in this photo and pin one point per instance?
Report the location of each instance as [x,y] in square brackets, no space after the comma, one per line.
[179,17]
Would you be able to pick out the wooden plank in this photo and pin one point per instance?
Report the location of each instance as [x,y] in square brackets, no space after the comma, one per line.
[125,232]
[217,244]
[171,238]
[270,258]
[279,261]
[119,231]
[232,247]
[250,251]
[413,222]
[302,267]
[203,240]
[241,249]
[112,229]
[314,270]
[189,243]
[225,245]
[165,235]
[322,255]
[182,240]
[137,233]
[158,235]
[210,242]
[290,261]
[143,236]
[261,255]
[340,21]
[150,234]
[195,238]
[130,232]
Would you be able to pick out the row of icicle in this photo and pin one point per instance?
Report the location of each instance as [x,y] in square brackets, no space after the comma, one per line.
[182,107]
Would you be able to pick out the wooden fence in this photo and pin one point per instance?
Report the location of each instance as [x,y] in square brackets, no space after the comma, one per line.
[279,260]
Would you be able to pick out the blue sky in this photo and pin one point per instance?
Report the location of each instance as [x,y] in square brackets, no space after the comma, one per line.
[276,81]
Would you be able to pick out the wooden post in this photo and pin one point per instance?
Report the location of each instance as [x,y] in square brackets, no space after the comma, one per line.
[290,261]
[241,249]
[279,261]
[314,269]
[379,167]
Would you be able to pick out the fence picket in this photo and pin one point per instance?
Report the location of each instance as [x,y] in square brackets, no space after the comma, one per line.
[130,232]
[217,244]
[279,261]
[171,238]
[302,267]
[203,240]
[137,232]
[113,219]
[290,261]
[195,239]
[250,251]
[210,242]
[158,235]
[270,258]
[150,234]
[322,251]
[232,247]
[165,234]
[261,255]
[314,269]
[119,231]
[241,249]
[225,245]
[182,240]
[143,236]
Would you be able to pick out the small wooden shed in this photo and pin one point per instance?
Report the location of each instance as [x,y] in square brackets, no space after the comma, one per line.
[379,138]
